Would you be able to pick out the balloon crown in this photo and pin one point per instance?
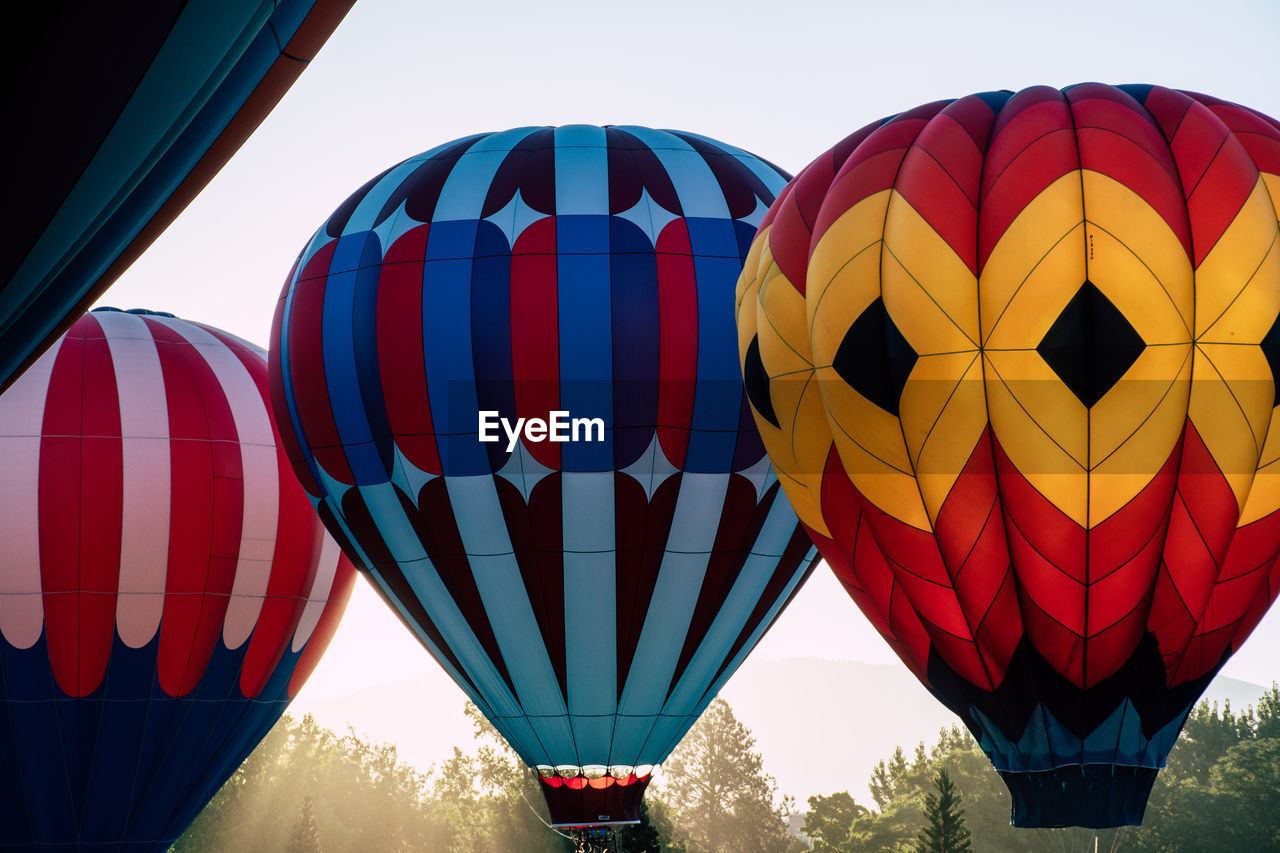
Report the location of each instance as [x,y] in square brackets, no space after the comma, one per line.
[146,311]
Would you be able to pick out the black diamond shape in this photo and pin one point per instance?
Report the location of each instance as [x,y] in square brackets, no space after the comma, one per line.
[875,359]
[1271,349]
[1090,345]
[757,382]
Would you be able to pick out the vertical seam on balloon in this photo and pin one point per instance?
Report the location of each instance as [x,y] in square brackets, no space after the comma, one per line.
[895,194]
[106,674]
[185,703]
[1011,576]
[1180,655]
[1088,431]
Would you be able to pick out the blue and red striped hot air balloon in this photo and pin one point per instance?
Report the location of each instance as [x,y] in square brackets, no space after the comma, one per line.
[116,117]
[591,596]
[167,586]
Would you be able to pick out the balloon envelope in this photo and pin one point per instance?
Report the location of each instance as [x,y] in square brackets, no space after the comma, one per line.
[115,120]
[592,594]
[1012,356]
[167,586]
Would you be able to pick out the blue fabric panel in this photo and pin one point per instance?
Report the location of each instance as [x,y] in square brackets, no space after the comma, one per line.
[491,330]
[342,361]
[586,346]
[633,277]
[446,336]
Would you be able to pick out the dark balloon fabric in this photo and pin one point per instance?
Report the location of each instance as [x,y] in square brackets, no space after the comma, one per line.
[1013,356]
[591,596]
[167,586]
[115,118]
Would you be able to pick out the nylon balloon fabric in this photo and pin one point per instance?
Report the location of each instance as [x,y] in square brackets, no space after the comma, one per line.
[115,120]
[1012,356]
[167,586]
[589,595]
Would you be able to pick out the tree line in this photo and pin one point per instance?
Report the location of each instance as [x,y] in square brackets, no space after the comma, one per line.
[307,789]
[1220,791]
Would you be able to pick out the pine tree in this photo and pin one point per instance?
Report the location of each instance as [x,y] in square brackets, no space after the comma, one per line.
[306,832]
[945,832]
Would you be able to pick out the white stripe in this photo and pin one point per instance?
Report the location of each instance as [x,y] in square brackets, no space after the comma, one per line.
[701,196]
[21,419]
[476,509]
[590,609]
[261,480]
[675,595]
[146,496]
[318,595]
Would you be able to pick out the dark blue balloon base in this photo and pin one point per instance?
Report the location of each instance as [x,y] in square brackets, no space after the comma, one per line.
[1098,796]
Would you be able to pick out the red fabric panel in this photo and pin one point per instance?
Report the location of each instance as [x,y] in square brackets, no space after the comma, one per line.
[1119,139]
[535,339]
[678,339]
[942,174]
[1032,145]
[796,209]
[310,389]
[1216,172]
[343,582]
[80,492]
[864,572]
[873,166]
[401,365]
[206,513]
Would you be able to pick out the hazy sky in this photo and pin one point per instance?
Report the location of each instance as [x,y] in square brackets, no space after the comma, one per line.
[783,80]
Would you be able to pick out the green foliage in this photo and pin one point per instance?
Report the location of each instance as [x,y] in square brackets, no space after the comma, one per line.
[1220,791]
[722,799]
[306,832]
[945,830]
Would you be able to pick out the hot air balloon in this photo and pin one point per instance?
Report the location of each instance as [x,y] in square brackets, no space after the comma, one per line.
[166,589]
[115,120]
[1012,357]
[591,582]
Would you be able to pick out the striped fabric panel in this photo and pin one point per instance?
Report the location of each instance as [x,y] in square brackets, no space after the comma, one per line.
[165,506]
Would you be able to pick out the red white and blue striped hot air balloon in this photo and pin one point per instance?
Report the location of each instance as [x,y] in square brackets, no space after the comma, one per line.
[166,587]
[590,595]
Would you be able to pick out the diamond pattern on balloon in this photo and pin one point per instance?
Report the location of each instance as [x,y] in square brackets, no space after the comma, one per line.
[1091,345]
[875,359]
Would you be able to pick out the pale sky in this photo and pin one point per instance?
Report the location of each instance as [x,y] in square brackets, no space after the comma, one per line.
[783,80]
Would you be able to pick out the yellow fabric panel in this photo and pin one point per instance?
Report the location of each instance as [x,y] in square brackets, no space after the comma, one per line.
[943,412]
[871,446]
[768,304]
[1137,261]
[1264,492]
[928,291]
[782,313]
[746,296]
[1134,429]
[1228,403]
[1273,189]
[844,273]
[1035,269]
[1251,315]
[1041,426]
[1233,263]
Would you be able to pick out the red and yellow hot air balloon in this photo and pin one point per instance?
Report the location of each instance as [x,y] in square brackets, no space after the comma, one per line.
[1013,358]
